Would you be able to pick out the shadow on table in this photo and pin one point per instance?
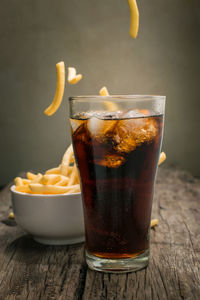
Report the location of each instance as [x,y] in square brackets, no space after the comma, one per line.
[25,250]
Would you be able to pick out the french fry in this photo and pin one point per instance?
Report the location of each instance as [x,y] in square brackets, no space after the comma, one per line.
[77,180]
[30,175]
[63,182]
[162,158]
[66,161]
[69,170]
[103,91]
[11,215]
[154,222]
[38,178]
[74,188]
[134,18]
[72,159]
[53,107]
[18,181]
[38,188]
[26,181]
[109,104]
[53,171]
[50,179]
[23,189]
[74,176]
[72,77]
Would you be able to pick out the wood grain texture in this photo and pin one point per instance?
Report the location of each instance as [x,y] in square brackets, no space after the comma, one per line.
[32,271]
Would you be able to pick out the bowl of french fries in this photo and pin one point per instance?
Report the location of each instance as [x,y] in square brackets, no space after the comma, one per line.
[49,206]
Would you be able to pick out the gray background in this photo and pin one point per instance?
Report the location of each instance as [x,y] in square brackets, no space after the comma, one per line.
[92,35]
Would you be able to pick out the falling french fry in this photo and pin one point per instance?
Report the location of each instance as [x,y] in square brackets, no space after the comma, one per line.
[134,18]
[162,158]
[72,77]
[53,107]
[110,105]
[103,91]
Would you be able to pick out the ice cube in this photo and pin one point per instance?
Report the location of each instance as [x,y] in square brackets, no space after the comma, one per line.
[136,113]
[129,134]
[99,128]
[132,114]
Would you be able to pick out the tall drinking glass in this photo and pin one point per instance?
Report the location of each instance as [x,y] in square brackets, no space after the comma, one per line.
[117,141]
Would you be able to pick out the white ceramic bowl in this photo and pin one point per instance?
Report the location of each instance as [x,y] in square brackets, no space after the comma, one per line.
[50,219]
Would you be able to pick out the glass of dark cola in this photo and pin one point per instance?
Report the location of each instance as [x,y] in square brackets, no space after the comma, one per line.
[117,142]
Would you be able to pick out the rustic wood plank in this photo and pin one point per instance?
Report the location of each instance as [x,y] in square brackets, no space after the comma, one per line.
[29,270]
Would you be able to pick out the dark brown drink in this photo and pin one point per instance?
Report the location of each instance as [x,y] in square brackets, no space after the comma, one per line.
[117,157]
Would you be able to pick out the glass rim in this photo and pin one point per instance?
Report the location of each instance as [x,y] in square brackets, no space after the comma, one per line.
[118,97]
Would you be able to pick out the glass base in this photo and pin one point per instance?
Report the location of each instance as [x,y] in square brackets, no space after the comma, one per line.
[124,265]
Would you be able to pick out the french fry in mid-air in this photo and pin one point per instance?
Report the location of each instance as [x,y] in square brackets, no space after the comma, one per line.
[162,158]
[103,91]
[110,105]
[134,18]
[72,77]
[60,67]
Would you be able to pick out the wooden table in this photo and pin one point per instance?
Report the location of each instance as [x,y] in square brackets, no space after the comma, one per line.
[32,271]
